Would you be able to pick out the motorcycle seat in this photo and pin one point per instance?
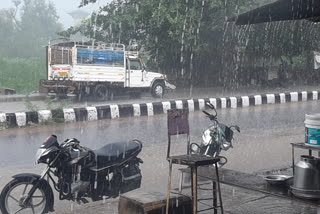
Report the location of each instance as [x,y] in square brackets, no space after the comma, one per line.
[116,153]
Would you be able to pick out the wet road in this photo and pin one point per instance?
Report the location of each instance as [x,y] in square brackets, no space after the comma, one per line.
[264,142]
[18,145]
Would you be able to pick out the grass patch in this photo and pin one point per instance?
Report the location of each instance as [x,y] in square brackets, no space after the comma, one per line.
[57,115]
[23,75]
[56,108]
[29,105]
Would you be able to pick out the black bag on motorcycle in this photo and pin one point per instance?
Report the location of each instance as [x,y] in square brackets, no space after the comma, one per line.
[131,178]
[228,133]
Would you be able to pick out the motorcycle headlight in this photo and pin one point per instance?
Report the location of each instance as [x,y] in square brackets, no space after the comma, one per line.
[206,137]
[39,154]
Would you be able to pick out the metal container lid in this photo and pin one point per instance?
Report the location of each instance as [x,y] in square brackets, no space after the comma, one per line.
[309,159]
[312,119]
[312,116]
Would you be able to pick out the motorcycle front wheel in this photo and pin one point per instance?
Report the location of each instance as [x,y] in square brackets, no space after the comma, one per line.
[14,193]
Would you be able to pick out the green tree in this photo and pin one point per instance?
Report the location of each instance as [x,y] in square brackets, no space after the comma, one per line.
[176,34]
[7,31]
[192,41]
[27,28]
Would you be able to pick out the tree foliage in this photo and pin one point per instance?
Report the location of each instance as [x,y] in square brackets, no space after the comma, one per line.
[192,41]
[27,27]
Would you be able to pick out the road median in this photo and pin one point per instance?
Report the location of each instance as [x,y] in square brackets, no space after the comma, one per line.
[114,111]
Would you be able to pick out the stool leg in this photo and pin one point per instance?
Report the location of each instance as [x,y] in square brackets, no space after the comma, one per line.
[180,182]
[194,190]
[214,195]
[219,189]
[169,187]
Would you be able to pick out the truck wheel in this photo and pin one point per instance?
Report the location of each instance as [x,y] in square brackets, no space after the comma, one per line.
[101,92]
[157,90]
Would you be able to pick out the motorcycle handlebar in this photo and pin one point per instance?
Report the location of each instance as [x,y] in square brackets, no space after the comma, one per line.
[210,116]
[206,113]
[210,105]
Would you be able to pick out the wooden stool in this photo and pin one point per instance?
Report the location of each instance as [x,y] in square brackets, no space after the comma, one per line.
[193,161]
[178,124]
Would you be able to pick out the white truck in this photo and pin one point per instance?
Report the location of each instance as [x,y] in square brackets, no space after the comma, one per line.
[99,70]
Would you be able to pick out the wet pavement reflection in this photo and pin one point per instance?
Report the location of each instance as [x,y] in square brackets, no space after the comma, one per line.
[264,141]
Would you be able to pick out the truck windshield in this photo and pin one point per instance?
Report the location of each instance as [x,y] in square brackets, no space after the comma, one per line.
[135,64]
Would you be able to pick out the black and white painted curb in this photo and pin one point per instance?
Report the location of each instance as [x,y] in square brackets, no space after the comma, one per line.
[21,119]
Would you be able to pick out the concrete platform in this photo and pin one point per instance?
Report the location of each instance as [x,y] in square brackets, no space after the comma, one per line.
[236,201]
[141,202]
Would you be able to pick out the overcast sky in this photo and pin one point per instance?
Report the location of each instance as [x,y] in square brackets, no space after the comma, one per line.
[63,8]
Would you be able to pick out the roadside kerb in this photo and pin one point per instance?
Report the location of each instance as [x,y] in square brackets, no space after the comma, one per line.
[21,119]
[15,98]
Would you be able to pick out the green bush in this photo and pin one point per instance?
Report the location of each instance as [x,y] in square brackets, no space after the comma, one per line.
[23,75]
[57,115]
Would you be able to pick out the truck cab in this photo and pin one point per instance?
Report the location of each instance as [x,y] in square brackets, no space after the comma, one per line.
[140,77]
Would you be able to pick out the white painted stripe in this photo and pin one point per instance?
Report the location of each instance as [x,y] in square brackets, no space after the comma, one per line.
[213,101]
[69,115]
[114,109]
[245,101]
[223,102]
[136,110]
[150,109]
[257,100]
[166,106]
[304,95]
[92,113]
[314,95]
[44,115]
[179,104]
[3,117]
[21,118]
[282,97]
[233,101]
[201,104]
[294,96]
[190,105]
[270,98]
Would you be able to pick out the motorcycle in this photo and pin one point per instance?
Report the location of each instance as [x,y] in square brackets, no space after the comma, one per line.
[215,138]
[79,173]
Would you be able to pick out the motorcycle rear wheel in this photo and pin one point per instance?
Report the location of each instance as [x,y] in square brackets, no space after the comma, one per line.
[16,190]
